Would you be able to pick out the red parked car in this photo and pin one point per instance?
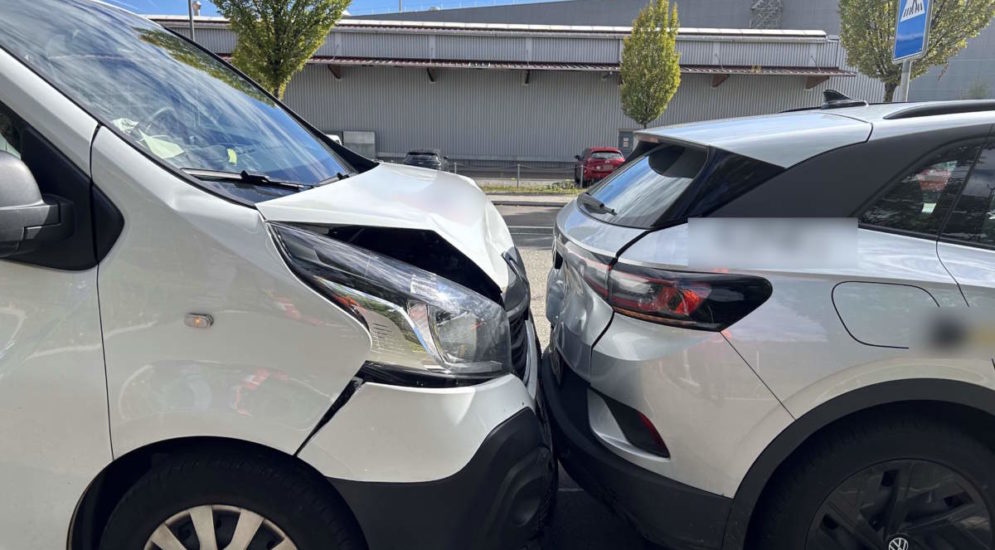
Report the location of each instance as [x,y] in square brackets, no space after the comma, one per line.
[595,163]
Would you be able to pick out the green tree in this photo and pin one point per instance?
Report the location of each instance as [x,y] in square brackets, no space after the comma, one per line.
[868,34]
[277,37]
[650,68]
[979,89]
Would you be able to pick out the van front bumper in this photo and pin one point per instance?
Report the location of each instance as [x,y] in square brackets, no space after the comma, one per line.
[440,468]
[664,511]
[492,503]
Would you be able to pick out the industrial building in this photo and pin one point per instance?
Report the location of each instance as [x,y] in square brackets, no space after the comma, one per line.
[535,84]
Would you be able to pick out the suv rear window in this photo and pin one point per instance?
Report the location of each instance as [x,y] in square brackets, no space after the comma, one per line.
[671,183]
[641,192]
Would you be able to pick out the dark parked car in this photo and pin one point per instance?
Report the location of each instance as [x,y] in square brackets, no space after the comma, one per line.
[595,163]
[427,158]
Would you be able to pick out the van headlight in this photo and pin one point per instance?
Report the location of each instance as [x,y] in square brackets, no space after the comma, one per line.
[420,324]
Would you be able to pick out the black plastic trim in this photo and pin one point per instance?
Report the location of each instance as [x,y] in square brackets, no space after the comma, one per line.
[393,376]
[57,175]
[842,182]
[931,109]
[795,435]
[631,424]
[493,503]
[108,222]
[664,511]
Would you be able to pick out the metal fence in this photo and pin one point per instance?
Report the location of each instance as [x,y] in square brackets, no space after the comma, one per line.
[511,173]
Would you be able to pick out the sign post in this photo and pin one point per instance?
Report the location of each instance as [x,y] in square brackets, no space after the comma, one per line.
[911,38]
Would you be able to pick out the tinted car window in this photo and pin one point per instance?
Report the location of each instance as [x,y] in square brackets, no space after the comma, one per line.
[973,217]
[640,192]
[10,133]
[919,201]
[166,95]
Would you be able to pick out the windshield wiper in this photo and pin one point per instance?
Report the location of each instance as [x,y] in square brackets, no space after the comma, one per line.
[339,176]
[595,205]
[243,177]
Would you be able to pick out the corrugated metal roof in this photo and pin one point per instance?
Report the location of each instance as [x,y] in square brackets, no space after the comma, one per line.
[430,26]
[590,67]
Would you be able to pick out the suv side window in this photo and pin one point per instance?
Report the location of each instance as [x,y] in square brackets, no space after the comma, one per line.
[919,201]
[973,217]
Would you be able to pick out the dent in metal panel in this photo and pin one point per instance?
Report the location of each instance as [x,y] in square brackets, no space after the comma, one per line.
[684,380]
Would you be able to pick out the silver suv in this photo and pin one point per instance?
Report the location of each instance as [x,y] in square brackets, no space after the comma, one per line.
[760,331]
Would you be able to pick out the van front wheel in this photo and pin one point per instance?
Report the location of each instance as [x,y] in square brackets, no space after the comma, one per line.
[230,500]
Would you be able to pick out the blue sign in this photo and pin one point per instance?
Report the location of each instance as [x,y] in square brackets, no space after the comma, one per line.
[912,29]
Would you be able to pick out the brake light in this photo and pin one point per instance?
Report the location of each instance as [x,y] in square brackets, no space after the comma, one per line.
[704,301]
[592,268]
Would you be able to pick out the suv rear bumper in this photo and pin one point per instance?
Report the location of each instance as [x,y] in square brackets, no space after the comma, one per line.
[494,502]
[662,510]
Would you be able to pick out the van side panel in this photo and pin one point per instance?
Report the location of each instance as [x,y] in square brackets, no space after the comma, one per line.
[53,426]
[277,354]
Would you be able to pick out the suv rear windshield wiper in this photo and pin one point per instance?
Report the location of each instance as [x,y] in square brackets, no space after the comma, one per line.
[595,205]
[244,177]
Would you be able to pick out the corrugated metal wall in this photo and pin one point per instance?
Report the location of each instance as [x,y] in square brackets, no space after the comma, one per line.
[485,114]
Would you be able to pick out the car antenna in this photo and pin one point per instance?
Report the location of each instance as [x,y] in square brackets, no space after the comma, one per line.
[833,99]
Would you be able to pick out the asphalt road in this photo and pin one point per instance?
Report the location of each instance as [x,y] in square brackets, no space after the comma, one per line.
[531,226]
[579,521]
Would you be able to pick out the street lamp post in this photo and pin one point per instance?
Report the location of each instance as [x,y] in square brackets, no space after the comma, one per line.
[190,11]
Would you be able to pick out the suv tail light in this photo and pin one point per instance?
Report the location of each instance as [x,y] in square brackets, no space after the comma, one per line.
[703,301]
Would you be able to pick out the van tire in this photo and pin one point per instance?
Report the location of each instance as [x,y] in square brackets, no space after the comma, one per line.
[295,500]
[788,515]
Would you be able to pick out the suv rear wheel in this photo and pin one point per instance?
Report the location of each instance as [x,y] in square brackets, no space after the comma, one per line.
[230,500]
[890,484]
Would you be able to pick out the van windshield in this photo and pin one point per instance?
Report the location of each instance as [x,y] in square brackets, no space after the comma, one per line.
[174,100]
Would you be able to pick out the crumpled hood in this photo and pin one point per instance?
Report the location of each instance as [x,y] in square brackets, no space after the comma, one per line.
[406,197]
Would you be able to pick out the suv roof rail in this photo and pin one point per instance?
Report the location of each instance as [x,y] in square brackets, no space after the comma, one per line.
[943,108]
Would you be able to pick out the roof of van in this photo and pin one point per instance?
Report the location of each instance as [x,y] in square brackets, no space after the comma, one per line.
[785,139]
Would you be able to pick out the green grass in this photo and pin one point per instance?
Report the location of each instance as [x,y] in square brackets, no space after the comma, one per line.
[559,188]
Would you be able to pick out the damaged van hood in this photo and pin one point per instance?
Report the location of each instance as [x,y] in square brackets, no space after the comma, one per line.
[406,197]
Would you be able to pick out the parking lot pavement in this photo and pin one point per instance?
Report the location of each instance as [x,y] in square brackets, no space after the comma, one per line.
[579,521]
[531,226]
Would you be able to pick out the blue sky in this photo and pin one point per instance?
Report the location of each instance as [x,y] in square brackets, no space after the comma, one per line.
[358,7]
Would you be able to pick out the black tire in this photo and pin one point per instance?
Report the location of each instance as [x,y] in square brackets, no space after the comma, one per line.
[284,493]
[801,509]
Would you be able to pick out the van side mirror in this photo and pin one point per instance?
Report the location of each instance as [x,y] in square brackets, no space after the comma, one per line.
[578,157]
[28,219]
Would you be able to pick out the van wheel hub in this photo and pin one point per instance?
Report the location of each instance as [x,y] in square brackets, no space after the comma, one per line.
[218,527]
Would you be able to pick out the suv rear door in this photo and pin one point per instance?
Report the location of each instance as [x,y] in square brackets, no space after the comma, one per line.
[967,242]
[591,232]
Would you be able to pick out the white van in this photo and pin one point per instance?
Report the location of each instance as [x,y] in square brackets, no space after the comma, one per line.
[218,329]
